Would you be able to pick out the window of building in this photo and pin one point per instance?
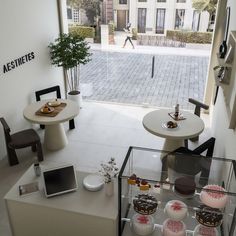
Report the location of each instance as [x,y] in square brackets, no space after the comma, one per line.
[160,22]
[122,1]
[76,15]
[161,0]
[142,20]
[179,18]
[180,1]
[69,13]
[196,21]
[142,0]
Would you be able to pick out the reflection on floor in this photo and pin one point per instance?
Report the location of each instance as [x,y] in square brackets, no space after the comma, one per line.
[102,131]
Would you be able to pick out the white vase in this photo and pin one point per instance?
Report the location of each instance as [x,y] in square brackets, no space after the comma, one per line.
[75,97]
[109,188]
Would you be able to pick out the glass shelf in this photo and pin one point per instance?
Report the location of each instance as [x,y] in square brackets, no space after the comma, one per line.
[163,168]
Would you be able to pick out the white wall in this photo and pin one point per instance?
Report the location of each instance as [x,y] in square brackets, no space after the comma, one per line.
[25,26]
[225,138]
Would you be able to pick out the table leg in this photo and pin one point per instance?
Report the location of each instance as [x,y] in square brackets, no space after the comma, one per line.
[55,137]
[169,145]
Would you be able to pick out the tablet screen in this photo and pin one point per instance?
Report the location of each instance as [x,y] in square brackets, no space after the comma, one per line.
[60,180]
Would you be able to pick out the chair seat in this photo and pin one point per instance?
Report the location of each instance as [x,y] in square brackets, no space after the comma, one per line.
[24,138]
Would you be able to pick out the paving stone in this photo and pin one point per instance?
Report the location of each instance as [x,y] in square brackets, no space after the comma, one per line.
[126,78]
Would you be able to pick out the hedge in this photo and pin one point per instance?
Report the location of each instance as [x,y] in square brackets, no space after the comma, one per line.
[134,34]
[84,31]
[111,28]
[190,36]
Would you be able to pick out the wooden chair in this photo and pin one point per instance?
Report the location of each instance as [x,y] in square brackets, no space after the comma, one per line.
[22,139]
[56,89]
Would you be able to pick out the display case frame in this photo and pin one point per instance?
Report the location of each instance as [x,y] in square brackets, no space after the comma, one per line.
[148,164]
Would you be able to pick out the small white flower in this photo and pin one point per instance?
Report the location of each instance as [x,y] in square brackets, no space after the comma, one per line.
[109,170]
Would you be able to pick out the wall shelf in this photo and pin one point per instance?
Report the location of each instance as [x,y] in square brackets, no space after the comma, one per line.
[228,81]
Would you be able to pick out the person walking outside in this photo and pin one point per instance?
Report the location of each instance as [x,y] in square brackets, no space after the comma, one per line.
[129,35]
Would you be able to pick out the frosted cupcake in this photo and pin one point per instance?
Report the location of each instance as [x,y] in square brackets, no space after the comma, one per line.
[213,198]
[174,228]
[176,210]
[202,230]
[142,224]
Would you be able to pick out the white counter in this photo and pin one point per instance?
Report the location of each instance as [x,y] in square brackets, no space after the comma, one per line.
[78,213]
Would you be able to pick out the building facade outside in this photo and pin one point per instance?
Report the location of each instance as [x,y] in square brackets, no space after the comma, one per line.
[76,16]
[157,16]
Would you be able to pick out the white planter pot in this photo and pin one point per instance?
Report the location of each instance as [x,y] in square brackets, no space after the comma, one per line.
[76,98]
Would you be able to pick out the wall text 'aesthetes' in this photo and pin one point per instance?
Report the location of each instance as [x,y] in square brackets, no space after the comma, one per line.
[18,62]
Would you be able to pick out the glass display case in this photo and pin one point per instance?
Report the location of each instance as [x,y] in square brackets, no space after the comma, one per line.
[161,191]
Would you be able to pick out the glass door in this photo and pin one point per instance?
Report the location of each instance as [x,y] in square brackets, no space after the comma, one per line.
[160,20]
[142,20]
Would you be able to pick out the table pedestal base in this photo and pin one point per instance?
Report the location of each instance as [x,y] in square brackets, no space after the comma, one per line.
[172,144]
[55,137]
[169,146]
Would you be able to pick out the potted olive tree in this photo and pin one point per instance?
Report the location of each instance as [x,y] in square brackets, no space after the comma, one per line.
[69,51]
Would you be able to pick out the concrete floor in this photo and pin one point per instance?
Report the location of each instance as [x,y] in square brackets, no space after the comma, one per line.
[102,130]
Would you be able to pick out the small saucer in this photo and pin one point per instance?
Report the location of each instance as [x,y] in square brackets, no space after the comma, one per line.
[93,182]
[47,112]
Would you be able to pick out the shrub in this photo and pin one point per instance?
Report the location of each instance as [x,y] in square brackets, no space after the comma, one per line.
[111,28]
[190,36]
[134,33]
[83,31]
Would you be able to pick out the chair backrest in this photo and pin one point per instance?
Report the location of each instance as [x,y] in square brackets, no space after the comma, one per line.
[7,130]
[48,90]
[198,105]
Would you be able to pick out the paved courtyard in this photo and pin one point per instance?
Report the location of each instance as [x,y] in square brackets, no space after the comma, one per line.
[126,78]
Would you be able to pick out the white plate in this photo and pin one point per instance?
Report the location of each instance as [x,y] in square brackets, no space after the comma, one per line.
[93,182]
[164,125]
[54,103]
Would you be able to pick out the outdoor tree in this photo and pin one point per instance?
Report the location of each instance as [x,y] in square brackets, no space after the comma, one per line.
[91,7]
[205,5]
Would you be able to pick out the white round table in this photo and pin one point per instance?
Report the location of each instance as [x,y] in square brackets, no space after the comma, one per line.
[54,136]
[191,127]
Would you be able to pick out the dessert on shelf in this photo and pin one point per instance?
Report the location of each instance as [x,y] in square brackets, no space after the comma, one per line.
[201,230]
[210,217]
[142,224]
[176,210]
[173,228]
[132,179]
[185,186]
[145,204]
[214,196]
[156,189]
[144,185]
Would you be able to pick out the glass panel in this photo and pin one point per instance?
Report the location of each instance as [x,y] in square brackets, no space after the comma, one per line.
[162,169]
[69,13]
[142,20]
[160,24]
[161,0]
[196,21]
[180,1]
[179,18]
[122,1]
